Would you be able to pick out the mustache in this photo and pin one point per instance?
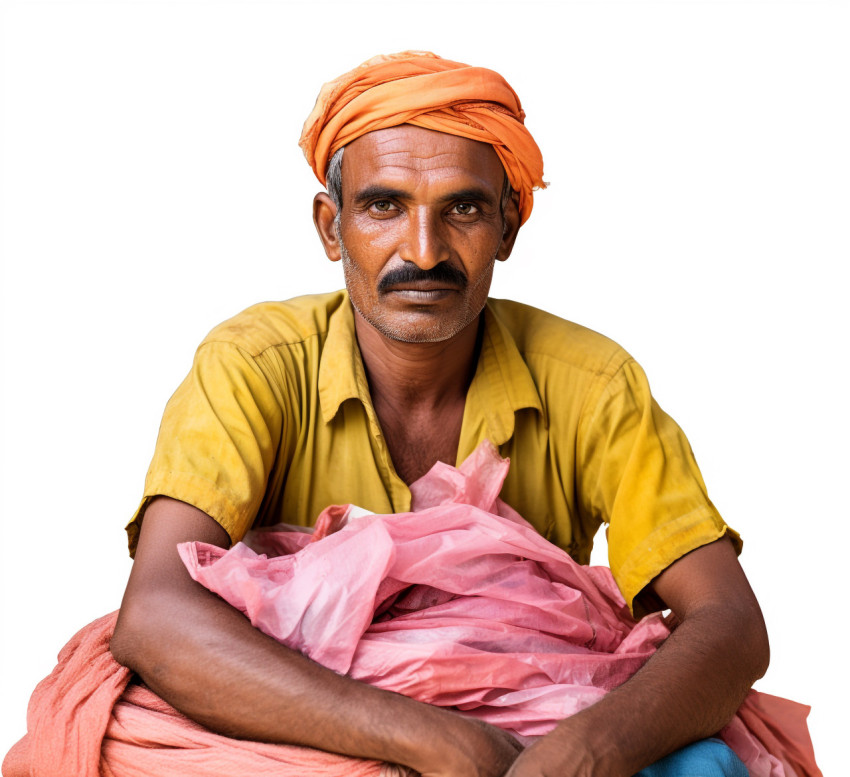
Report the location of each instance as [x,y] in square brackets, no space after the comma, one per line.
[410,273]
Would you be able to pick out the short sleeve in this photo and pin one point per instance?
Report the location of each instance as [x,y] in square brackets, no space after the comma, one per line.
[637,473]
[217,441]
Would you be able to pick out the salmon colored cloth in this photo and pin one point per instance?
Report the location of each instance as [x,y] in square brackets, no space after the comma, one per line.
[459,603]
[422,89]
[87,720]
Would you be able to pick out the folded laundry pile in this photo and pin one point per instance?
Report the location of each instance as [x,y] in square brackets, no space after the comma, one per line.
[459,603]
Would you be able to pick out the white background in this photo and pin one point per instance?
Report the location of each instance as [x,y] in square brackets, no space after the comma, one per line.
[698,214]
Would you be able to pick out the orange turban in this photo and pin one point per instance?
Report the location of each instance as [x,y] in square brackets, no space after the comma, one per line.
[422,89]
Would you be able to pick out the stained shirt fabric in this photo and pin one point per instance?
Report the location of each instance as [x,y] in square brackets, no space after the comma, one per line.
[275,422]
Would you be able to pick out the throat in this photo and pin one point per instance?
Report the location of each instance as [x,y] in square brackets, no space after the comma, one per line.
[419,440]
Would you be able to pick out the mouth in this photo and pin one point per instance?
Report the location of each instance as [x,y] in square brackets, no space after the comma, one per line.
[421,295]
[421,291]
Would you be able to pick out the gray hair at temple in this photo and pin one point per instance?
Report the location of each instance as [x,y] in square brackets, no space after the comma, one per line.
[333,182]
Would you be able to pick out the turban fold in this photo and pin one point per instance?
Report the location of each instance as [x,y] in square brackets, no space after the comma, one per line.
[422,89]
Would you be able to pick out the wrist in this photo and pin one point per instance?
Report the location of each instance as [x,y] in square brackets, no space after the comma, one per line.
[456,744]
[424,736]
[588,748]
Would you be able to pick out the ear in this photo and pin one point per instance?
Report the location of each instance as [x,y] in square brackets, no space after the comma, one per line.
[511,229]
[324,213]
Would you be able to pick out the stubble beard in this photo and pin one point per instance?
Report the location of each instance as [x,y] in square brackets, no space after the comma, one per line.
[413,332]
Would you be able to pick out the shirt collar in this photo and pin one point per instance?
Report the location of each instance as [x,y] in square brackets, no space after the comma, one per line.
[501,387]
[341,372]
[502,384]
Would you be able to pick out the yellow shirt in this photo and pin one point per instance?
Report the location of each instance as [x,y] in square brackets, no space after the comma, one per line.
[275,422]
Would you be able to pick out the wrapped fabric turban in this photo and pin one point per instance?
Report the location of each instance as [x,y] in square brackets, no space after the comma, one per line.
[422,89]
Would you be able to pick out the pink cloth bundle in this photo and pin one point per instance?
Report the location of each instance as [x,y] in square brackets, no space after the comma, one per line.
[459,603]
[451,604]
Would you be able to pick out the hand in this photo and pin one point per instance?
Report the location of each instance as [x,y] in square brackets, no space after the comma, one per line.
[554,755]
[477,750]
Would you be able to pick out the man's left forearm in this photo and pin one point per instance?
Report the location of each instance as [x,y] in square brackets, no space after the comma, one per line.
[687,691]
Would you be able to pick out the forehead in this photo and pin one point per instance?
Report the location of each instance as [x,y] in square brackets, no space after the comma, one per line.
[414,156]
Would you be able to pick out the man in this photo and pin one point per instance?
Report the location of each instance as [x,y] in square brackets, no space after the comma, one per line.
[351,397]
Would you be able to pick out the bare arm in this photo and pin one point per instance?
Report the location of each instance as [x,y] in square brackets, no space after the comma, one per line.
[687,691]
[204,657]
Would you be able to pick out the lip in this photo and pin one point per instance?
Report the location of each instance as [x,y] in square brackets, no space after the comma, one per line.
[420,294]
[423,285]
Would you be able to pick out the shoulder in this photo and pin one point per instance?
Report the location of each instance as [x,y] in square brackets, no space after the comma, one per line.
[546,341]
[278,324]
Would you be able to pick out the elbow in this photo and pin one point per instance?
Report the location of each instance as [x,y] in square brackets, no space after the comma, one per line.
[751,642]
[739,635]
[125,640]
[761,645]
[140,636]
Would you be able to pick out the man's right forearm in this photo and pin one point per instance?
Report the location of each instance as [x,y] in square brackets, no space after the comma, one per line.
[206,659]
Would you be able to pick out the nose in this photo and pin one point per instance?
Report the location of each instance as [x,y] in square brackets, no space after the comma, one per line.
[425,242]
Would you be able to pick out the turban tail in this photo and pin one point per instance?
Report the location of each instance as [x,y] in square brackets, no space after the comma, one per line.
[426,91]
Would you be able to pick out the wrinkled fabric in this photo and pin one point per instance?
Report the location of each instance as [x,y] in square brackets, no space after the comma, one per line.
[422,89]
[461,603]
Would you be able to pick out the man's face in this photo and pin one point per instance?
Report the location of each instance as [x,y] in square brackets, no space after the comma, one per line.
[420,229]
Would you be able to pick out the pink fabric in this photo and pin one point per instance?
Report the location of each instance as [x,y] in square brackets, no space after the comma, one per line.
[458,603]
[461,603]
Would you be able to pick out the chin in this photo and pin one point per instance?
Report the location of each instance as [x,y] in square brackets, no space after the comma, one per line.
[407,333]
[417,328]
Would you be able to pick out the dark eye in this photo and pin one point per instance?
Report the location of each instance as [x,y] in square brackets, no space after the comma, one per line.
[382,206]
[465,209]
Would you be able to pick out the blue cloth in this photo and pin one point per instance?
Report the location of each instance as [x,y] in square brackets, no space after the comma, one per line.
[707,758]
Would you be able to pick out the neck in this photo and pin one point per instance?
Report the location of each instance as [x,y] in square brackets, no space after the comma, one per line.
[418,375]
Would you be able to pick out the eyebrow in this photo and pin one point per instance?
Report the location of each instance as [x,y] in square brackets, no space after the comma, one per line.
[378,192]
[473,193]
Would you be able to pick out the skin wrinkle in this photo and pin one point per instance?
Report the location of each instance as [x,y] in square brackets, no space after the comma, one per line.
[333,180]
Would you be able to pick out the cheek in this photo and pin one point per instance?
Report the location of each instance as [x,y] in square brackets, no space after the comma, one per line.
[479,285]
[355,276]
[482,238]
[479,256]
[365,234]
[369,250]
